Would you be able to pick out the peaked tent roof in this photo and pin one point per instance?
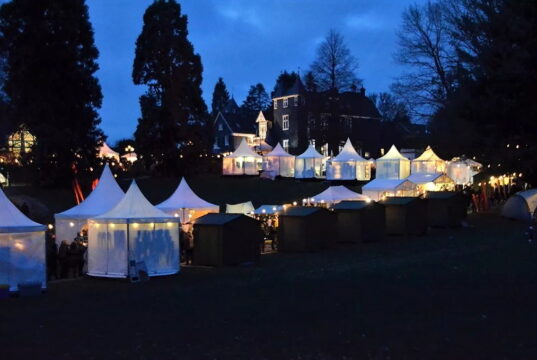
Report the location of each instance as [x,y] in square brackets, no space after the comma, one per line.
[102,199]
[427,178]
[428,155]
[393,154]
[348,153]
[279,151]
[184,198]
[310,153]
[338,193]
[244,150]
[241,208]
[134,205]
[105,150]
[12,220]
[383,184]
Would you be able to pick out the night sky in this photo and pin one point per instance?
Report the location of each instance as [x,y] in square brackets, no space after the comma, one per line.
[245,42]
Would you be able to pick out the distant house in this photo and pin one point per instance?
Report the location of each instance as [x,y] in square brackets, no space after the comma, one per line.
[324,119]
[232,125]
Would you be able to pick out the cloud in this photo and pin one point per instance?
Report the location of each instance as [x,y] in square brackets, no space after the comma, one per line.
[365,21]
[239,13]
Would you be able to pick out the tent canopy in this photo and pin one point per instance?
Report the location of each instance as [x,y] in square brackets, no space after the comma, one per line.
[348,153]
[185,198]
[279,151]
[244,151]
[310,153]
[134,206]
[3,179]
[428,155]
[384,184]
[102,199]
[421,179]
[12,220]
[241,208]
[521,206]
[338,193]
[106,151]
[392,154]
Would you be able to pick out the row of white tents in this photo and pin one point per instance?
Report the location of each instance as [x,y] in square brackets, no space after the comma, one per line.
[347,165]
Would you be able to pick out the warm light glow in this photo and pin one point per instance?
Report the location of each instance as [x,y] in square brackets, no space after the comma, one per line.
[176,215]
[294,203]
[19,246]
[169,224]
[71,224]
[135,225]
[50,226]
[112,225]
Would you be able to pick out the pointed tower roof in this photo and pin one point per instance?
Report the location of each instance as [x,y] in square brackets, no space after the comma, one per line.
[244,151]
[12,220]
[184,198]
[338,193]
[102,199]
[279,151]
[135,206]
[428,155]
[393,154]
[348,153]
[310,153]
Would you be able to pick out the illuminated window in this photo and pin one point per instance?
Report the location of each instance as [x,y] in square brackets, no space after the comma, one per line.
[296,101]
[21,142]
[226,140]
[285,143]
[285,122]
[275,104]
[220,127]
[285,102]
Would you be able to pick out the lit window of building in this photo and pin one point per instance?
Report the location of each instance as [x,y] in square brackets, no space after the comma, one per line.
[285,103]
[20,142]
[285,122]
[285,144]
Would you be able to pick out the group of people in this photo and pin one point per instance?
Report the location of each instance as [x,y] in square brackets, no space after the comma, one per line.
[268,226]
[186,244]
[67,260]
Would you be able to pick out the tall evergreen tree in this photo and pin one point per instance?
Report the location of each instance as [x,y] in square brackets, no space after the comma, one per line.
[50,57]
[309,82]
[257,99]
[286,80]
[173,111]
[220,97]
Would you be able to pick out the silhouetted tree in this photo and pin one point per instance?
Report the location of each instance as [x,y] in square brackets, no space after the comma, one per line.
[334,67]
[309,82]
[50,84]
[256,100]
[286,80]
[220,97]
[173,121]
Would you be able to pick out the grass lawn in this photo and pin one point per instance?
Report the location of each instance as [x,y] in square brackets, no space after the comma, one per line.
[466,293]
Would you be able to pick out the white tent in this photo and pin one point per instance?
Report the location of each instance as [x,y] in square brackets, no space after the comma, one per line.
[133,231]
[392,165]
[309,164]
[348,165]
[428,163]
[3,179]
[521,206]
[335,194]
[462,171]
[243,161]
[269,209]
[279,162]
[184,203]
[432,182]
[377,189]
[102,199]
[241,208]
[22,247]
[106,152]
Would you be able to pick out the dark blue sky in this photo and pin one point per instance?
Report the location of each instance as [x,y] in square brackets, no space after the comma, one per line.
[245,42]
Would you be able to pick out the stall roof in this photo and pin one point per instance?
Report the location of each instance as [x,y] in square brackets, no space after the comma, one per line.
[279,151]
[301,210]
[102,199]
[338,193]
[352,205]
[184,198]
[392,154]
[12,220]
[428,155]
[244,151]
[348,153]
[241,208]
[420,179]
[216,219]
[398,200]
[134,205]
[384,184]
[310,153]
[441,194]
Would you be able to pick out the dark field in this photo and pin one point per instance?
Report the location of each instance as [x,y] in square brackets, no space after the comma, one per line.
[468,293]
